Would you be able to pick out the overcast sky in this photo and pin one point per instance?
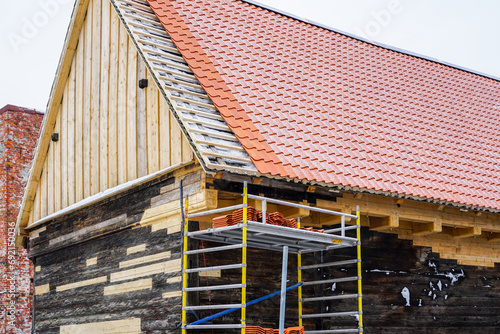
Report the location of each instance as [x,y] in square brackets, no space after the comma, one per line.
[461,32]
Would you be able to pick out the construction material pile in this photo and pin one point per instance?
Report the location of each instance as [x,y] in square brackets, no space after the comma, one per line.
[236,217]
[274,218]
[260,330]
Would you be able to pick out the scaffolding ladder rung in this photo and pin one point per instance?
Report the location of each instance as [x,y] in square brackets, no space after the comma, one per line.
[315,299]
[216,287]
[223,326]
[214,249]
[229,266]
[335,331]
[333,280]
[330,264]
[327,315]
[212,307]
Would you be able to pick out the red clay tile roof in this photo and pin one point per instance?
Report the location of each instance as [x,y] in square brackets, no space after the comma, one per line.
[311,104]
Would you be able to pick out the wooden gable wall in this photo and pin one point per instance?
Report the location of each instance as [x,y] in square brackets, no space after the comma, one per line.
[110,130]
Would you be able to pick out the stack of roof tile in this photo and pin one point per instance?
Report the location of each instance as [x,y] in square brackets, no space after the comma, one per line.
[258,330]
[261,330]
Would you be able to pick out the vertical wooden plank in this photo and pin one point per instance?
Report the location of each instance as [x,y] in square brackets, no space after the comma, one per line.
[36,206]
[63,138]
[142,103]
[95,98]
[43,193]
[103,141]
[71,134]
[164,129]
[79,76]
[176,141]
[132,113]
[122,106]
[56,167]
[187,152]
[152,133]
[113,101]
[87,98]
[50,177]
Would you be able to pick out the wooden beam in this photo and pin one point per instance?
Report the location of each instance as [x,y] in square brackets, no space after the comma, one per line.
[291,212]
[428,228]
[466,232]
[384,223]
[494,237]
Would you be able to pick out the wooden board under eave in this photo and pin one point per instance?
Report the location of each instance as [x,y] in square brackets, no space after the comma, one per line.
[110,130]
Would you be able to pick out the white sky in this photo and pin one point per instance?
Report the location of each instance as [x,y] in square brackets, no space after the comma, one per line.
[461,32]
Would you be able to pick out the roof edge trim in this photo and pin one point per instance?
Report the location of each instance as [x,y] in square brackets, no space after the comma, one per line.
[361,39]
[11,107]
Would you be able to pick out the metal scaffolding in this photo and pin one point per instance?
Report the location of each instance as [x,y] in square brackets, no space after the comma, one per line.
[260,235]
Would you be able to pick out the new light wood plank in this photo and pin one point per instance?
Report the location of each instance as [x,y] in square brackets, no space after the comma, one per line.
[56,167]
[175,141]
[113,101]
[79,76]
[71,137]
[63,135]
[164,132]
[95,98]
[132,113]
[142,103]
[43,193]
[50,179]
[122,106]
[153,119]
[187,152]
[87,97]
[105,100]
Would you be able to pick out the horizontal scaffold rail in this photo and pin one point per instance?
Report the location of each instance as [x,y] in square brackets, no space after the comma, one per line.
[301,206]
[328,315]
[329,264]
[212,307]
[333,280]
[225,267]
[335,331]
[214,249]
[222,326]
[215,287]
[316,299]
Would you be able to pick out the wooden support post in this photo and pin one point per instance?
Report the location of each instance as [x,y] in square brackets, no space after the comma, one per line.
[466,232]
[428,228]
[291,212]
[384,223]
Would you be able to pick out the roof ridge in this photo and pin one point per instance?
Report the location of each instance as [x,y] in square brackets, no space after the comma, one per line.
[11,107]
[374,43]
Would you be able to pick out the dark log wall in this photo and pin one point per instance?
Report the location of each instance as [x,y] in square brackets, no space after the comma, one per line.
[443,297]
[99,265]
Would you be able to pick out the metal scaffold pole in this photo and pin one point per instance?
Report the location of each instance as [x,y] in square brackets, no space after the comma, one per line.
[299,279]
[360,299]
[184,268]
[244,259]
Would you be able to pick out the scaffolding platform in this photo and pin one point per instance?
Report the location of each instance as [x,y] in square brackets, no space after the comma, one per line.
[274,237]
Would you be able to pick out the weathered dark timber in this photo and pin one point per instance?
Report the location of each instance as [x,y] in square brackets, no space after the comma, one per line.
[470,305]
[65,262]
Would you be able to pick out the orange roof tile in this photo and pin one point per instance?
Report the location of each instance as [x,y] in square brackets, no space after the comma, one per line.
[312,104]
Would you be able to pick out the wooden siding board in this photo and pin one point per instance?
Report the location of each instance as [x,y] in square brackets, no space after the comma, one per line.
[164,132]
[105,96]
[87,99]
[152,117]
[131,127]
[122,106]
[113,101]
[95,98]
[142,102]
[78,150]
